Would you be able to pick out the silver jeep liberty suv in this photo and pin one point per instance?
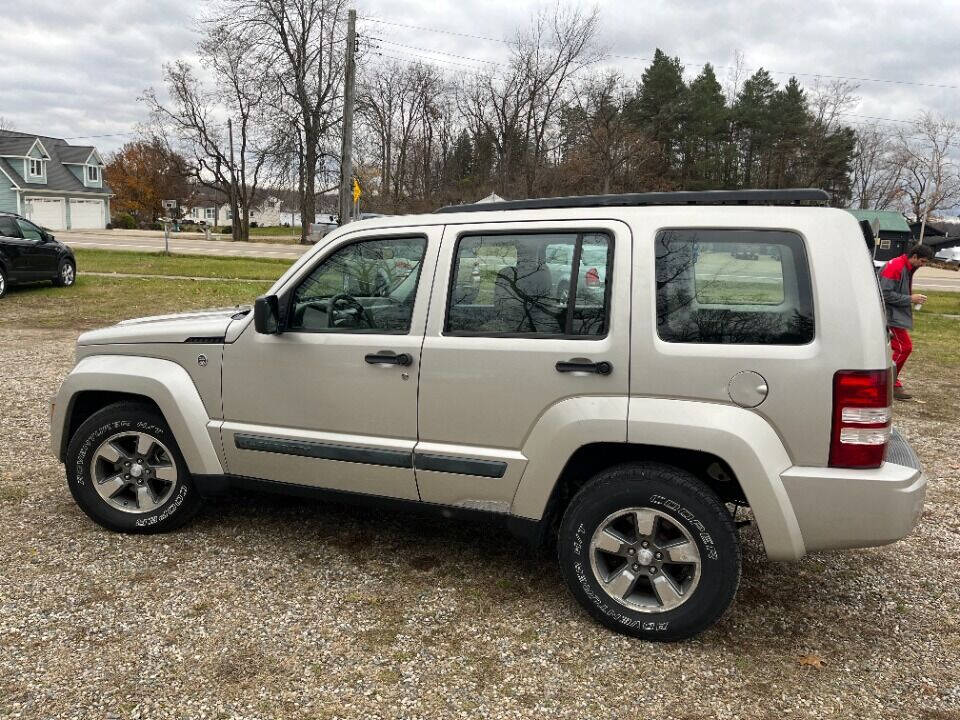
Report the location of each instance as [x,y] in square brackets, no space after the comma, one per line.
[610,376]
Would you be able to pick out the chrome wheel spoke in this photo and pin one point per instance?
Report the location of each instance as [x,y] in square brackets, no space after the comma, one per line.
[681,551]
[110,486]
[145,444]
[145,498]
[645,521]
[167,473]
[611,542]
[667,593]
[111,452]
[622,583]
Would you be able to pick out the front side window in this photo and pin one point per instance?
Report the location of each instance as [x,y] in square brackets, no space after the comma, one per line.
[29,230]
[368,286]
[733,287]
[36,167]
[548,284]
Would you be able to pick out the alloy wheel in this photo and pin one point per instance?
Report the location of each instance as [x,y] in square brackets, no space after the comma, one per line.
[133,472]
[67,274]
[645,560]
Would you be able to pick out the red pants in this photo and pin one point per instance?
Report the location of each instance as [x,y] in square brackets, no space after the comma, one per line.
[902,346]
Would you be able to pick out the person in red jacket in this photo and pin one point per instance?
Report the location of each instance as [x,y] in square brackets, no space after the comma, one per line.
[896,285]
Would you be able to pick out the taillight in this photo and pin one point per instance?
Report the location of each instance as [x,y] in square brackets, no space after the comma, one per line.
[592,277]
[862,412]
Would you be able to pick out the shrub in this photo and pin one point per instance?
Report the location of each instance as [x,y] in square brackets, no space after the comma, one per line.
[124,221]
[253,223]
[156,226]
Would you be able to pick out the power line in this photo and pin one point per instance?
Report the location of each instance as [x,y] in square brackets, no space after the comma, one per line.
[91,137]
[435,30]
[647,59]
[411,58]
[437,52]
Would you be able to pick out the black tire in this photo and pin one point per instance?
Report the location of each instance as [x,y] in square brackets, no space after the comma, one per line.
[64,279]
[682,503]
[180,505]
[3,282]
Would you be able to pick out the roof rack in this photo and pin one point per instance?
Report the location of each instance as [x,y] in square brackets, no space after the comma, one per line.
[798,196]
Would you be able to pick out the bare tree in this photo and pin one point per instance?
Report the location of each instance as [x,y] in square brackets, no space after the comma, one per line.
[300,43]
[518,107]
[198,117]
[877,174]
[604,133]
[931,178]
[396,104]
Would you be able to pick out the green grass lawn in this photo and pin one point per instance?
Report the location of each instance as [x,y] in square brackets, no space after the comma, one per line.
[152,263]
[98,301]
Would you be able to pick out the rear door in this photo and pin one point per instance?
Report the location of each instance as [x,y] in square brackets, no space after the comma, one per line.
[42,256]
[14,249]
[512,333]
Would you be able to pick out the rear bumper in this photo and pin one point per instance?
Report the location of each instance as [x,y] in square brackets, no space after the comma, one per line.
[838,509]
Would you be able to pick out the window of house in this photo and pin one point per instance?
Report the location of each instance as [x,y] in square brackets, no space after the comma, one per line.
[368,286]
[36,167]
[209,213]
[885,243]
[537,284]
[93,173]
[733,287]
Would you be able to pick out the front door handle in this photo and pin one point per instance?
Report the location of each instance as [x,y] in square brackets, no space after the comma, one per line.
[388,357]
[585,366]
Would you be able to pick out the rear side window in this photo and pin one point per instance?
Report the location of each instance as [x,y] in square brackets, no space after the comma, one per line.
[531,284]
[733,287]
[8,227]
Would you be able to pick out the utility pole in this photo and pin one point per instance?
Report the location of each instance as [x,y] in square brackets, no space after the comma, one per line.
[233,190]
[346,151]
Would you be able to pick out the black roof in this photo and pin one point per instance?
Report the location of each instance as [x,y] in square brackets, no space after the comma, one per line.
[797,196]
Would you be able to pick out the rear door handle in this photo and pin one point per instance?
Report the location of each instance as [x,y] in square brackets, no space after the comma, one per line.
[388,357]
[585,366]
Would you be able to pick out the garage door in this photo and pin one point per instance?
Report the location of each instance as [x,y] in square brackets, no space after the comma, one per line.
[86,214]
[47,212]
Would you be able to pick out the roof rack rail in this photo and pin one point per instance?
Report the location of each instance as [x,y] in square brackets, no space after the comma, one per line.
[793,196]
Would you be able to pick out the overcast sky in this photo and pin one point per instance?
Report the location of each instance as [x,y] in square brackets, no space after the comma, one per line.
[76,68]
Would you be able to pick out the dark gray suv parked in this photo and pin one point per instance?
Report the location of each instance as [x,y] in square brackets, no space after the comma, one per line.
[29,253]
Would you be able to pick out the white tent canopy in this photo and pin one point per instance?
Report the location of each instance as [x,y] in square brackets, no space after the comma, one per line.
[492,197]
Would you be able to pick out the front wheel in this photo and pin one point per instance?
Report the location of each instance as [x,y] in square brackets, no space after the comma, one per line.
[125,471]
[66,274]
[3,283]
[648,550]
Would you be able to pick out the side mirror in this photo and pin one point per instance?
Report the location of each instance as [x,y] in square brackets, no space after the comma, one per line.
[48,237]
[266,315]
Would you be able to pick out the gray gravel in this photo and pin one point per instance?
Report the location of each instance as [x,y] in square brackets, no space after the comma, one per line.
[275,608]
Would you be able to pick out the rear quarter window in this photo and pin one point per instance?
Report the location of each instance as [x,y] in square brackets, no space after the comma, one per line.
[730,286]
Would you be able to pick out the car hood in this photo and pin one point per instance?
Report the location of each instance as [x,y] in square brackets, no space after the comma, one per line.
[210,325]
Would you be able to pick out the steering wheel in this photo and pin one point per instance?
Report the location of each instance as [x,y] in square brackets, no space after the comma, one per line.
[348,304]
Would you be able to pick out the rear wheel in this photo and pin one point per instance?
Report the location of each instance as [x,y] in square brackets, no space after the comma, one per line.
[126,473]
[3,282]
[66,274]
[650,551]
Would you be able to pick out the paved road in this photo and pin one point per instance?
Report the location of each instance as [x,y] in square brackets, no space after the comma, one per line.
[936,279]
[187,245]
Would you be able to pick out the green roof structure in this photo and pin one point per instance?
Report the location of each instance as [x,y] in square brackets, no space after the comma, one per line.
[889,220]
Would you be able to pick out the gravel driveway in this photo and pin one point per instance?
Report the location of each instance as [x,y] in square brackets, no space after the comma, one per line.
[276,608]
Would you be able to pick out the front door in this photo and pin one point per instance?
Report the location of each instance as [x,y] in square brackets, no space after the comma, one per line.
[332,401]
[534,315]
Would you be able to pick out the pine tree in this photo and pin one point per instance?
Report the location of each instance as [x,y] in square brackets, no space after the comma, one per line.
[753,127]
[705,131]
[659,105]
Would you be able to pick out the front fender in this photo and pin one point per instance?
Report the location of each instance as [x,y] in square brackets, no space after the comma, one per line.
[163,381]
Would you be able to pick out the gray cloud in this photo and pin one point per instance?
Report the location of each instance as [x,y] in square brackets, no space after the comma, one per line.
[77,68]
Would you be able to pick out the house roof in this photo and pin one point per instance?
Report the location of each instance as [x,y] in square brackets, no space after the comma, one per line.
[59,178]
[76,154]
[889,220]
